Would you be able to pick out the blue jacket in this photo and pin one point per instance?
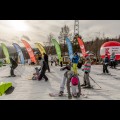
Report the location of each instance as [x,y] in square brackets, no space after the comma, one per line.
[75,59]
[106,60]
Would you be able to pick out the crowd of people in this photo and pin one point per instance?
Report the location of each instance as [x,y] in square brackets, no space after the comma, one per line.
[71,75]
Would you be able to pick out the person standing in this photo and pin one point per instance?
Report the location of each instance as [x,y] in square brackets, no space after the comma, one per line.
[47,61]
[61,61]
[75,62]
[105,65]
[51,60]
[43,65]
[13,67]
[86,69]
[112,60]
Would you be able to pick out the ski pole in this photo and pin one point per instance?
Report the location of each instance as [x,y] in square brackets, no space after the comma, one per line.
[94,81]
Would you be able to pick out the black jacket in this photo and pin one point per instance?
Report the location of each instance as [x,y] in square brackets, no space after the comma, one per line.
[46,58]
[14,64]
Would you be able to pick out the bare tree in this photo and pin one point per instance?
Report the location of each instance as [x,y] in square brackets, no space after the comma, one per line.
[48,44]
[65,32]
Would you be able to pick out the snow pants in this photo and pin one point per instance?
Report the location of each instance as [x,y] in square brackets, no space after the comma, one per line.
[105,69]
[75,68]
[86,78]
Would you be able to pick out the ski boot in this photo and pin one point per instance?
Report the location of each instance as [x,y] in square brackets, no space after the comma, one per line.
[83,85]
[74,95]
[13,75]
[88,86]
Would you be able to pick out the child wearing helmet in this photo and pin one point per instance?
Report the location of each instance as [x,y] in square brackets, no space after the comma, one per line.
[75,60]
[75,84]
[74,80]
[36,74]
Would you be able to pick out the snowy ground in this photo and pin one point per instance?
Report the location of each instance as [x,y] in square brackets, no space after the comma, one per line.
[39,90]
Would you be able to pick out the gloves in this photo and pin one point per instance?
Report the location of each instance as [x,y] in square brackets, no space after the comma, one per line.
[69,96]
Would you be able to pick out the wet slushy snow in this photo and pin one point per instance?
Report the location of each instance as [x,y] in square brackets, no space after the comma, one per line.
[39,90]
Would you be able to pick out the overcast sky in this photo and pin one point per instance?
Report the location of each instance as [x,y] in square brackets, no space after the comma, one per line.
[38,30]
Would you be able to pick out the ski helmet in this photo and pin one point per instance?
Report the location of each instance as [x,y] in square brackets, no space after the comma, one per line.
[74,81]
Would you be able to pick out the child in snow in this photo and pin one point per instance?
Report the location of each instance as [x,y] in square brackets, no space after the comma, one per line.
[105,64]
[70,77]
[75,62]
[86,69]
[35,75]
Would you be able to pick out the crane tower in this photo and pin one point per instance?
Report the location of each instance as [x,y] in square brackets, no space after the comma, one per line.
[76,27]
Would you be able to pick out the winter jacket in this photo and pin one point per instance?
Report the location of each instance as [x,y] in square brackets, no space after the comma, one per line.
[112,58]
[43,65]
[87,66]
[68,74]
[75,59]
[106,60]
[14,64]
[46,58]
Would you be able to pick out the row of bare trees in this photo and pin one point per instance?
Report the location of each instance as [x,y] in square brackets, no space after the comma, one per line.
[93,46]
[96,44]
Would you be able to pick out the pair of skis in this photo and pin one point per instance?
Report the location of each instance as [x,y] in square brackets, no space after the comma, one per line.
[106,74]
[64,95]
